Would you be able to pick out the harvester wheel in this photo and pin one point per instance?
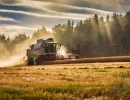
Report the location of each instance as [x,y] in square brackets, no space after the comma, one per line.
[40,63]
[62,57]
[40,60]
[30,61]
[69,56]
[35,62]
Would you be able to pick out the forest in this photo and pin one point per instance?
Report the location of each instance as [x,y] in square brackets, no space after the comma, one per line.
[93,37]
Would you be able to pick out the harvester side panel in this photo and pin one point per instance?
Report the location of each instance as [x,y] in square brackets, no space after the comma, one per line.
[31,54]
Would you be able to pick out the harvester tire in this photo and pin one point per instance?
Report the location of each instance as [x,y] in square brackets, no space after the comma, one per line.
[30,61]
[62,57]
[40,63]
[36,62]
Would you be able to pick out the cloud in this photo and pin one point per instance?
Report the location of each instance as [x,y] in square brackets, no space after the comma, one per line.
[51,10]
[19,27]
[120,6]
[111,5]
[8,30]
[108,5]
[59,15]
[35,5]
[27,1]
[7,19]
[9,1]
[33,21]
[24,16]
[77,10]
[21,8]
[56,5]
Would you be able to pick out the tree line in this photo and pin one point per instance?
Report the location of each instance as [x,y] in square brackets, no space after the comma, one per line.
[96,36]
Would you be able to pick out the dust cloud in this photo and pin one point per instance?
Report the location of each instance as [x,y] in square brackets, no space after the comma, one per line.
[13,61]
[63,51]
[15,55]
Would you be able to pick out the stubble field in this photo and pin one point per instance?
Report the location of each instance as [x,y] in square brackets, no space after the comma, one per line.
[92,81]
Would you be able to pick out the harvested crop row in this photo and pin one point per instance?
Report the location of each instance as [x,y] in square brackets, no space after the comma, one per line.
[91,60]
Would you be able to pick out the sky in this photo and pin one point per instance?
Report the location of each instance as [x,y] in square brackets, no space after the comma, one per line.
[26,16]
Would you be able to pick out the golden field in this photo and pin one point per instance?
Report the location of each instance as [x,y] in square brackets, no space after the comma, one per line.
[87,81]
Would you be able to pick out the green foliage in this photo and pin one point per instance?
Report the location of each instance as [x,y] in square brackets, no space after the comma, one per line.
[19,38]
[92,31]
[95,31]
[41,33]
[125,75]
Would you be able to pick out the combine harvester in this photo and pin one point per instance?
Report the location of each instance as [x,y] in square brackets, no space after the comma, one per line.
[46,51]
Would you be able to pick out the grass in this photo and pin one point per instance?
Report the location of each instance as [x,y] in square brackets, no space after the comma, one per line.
[66,82]
[123,74]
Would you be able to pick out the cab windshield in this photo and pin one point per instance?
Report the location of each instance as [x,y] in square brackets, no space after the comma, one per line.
[50,47]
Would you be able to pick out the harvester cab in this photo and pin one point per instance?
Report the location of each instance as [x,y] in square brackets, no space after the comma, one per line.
[44,50]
